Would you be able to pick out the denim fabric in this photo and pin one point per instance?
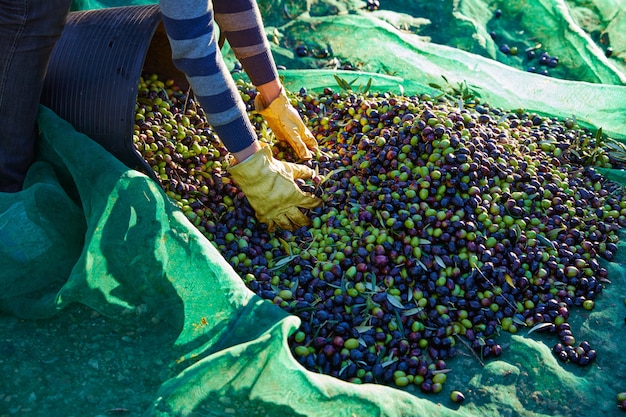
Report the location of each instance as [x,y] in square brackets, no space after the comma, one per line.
[29,30]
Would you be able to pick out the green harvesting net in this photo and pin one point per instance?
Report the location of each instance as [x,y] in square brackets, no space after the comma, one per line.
[126,296]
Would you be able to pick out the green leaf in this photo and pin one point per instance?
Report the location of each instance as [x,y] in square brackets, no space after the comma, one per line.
[441,371]
[343,84]
[412,311]
[389,362]
[399,321]
[598,136]
[545,241]
[518,321]
[509,280]
[333,172]
[394,302]
[517,230]
[343,368]
[539,326]
[285,245]
[368,85]
[363,329]
[554,233]
[380,219]
[282,262]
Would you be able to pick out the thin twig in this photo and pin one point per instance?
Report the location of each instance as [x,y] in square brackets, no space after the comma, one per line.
[470,349]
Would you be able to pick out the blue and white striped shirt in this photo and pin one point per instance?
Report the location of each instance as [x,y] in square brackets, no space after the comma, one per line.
[191,29]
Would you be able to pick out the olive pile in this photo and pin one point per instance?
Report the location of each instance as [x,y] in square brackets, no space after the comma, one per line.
[443,223]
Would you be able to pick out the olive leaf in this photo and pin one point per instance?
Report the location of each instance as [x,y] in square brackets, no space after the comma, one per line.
[287,13]
[371,285]
[421,264]
[509,280]
[325,178]
[363,329]
[389,362]
[347,86]
[545,241]
[343,368]
[441,371]
[393,300]
[412,311]
[554,233]
[588,150]
[519,321]
[399,322]
[380,219]
[616,149]
[539,327]
[465,93]
[282,262]
[367,86]
[343,84]
[517,232]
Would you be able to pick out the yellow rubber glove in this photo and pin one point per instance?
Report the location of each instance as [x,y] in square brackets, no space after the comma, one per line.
[287,125]
[269,185]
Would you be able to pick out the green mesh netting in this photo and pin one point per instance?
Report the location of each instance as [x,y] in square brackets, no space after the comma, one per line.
[385,52]
[114,304]
[142,260]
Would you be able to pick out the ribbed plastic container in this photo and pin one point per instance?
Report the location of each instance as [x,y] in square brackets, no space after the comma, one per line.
[94,72]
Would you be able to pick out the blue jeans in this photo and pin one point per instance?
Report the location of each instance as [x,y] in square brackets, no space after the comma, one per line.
[29,30]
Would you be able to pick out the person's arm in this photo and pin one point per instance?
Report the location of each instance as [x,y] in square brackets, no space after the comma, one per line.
[241,23]
[268,184]
[190,28]
[246,152]
[269,91]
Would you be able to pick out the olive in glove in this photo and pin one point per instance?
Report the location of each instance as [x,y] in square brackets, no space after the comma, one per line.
[287,125]
[269,185]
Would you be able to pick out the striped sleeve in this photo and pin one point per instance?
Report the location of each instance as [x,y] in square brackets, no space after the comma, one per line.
[241,22]
[190,29]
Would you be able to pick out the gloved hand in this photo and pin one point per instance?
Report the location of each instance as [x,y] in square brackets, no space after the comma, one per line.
[270,188]
[287,124]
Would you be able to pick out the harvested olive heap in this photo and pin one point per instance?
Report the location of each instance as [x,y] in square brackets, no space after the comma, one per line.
[444,222]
